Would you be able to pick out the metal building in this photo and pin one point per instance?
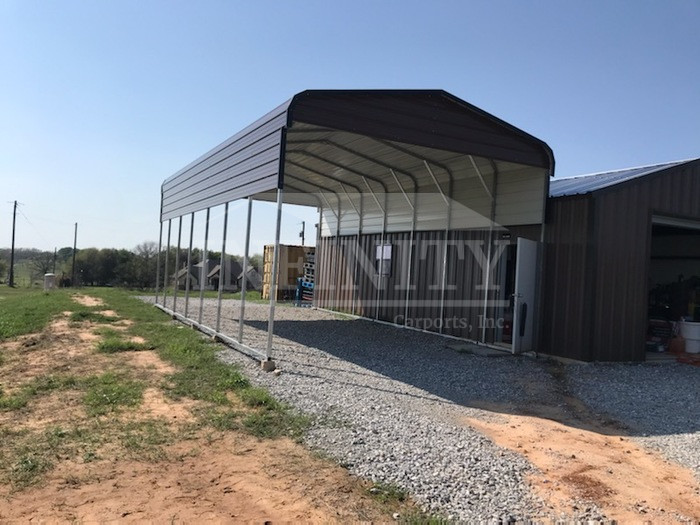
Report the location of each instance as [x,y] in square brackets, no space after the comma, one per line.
[429,208]
[610,239]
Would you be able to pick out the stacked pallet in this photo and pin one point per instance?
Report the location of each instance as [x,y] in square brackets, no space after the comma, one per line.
[289,268]
[305,294]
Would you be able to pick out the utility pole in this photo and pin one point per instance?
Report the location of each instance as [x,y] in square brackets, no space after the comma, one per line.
[12,251]
[54,260]
[302,232]
[75,244]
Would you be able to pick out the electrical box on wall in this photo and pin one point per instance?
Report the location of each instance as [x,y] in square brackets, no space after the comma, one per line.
[383,259]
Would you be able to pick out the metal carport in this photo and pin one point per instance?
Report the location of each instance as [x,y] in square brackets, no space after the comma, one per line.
[372,161]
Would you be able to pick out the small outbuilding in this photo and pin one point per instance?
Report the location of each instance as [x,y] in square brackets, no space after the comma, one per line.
[619,245]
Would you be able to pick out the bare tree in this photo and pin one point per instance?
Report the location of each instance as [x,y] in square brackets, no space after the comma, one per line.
[146,249]
[41,263]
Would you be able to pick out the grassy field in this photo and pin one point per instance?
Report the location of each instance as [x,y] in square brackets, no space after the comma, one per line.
[23,311]
[94,382]
[225,398]
[23,274]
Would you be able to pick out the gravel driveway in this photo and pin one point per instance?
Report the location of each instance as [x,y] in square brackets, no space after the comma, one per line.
[659,402]
[389,405]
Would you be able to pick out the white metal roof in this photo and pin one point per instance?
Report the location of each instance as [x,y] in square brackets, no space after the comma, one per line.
[582,184]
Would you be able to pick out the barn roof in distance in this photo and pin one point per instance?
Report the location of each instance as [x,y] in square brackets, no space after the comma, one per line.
[583,184]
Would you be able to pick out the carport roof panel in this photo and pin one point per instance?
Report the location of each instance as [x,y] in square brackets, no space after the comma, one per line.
[430,118]
[583,184]
[252,161]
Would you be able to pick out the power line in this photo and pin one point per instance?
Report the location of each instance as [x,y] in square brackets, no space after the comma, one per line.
[32,225]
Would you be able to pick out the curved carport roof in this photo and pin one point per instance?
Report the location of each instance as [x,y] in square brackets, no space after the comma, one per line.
[372,161]
[352,141]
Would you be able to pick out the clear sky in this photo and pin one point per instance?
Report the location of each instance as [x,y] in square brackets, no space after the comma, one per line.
[101,101]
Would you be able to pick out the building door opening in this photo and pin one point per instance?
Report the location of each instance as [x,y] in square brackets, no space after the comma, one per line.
[519,277]
[674,288]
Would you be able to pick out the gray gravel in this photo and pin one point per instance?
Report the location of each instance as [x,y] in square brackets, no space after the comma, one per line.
[390,405]
[659,402]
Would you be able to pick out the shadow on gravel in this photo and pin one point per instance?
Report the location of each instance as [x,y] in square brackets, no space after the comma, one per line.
[507,385]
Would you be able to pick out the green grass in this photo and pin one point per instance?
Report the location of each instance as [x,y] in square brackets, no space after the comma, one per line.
[38,386]
[276,423]
[144,440]
[387,493]
[258,398]
[90,316]
[201,376]
[24,311]
[25,456]
[110,392]
[27,468]
[221,418]
[395,498]
[103,394]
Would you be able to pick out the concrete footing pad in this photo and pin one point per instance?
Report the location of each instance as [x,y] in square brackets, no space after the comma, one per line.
[267,365]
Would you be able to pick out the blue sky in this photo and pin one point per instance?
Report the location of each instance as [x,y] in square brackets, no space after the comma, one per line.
[101,101]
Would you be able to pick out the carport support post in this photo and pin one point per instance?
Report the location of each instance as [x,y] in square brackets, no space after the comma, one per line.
[317,259]
[244,284]
[222,270]
[380,281]
[358,248]
[409,268]
[444,259]
[167,257]
[160,246]
[492,217]
[177,265]
[337,257]
[205,267]
[448,203]
[268,364]
[188,279]
[410,242]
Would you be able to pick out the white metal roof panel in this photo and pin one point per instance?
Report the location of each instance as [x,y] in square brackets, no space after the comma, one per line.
[582,184]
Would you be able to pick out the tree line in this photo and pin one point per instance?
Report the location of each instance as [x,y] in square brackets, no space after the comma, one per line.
[136,268]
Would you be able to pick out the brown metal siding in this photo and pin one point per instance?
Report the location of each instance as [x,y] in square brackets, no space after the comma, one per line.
[596,292]
[464,275]
[564,325]
[623,239]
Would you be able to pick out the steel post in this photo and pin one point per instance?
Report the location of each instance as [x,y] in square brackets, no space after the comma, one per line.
[273,278]
[205,267]
[222,270]
[244,283]
[188,278]
[177,265]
